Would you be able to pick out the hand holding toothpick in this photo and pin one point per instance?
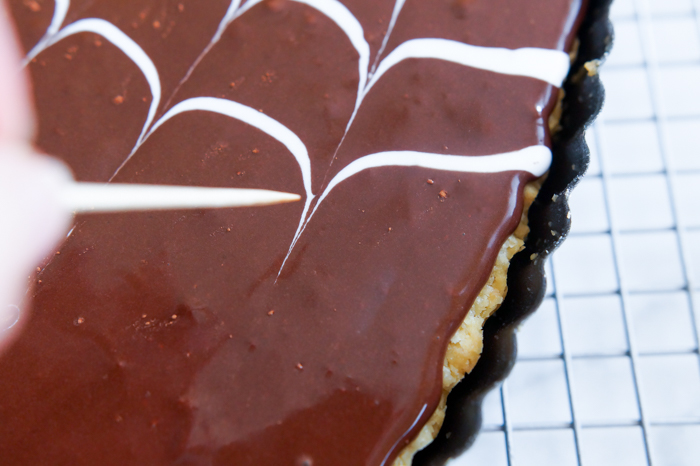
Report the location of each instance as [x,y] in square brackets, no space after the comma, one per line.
[38,194]
[32,220]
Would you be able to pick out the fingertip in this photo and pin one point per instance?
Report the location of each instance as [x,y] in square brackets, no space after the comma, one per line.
[16,114]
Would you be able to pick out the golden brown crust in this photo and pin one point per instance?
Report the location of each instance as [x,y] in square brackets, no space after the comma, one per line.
[465,347]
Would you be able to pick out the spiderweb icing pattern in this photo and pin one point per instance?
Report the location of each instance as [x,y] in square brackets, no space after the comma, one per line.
[550,66]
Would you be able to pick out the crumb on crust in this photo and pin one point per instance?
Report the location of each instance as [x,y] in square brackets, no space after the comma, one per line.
[592,67]
[466,344]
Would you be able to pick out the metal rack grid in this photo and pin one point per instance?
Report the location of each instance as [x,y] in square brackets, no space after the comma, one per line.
[608,371]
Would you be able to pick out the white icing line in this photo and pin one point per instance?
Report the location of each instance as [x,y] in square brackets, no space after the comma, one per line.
[59,15]
[262,122]
[338,13]
[247,6]
[131,49]
[229,16]
[352,28]
[394,16]
[533,159]
[333,9]
[550,66]
[253,118]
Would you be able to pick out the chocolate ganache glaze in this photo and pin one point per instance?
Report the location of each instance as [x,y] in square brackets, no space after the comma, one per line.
[306,333]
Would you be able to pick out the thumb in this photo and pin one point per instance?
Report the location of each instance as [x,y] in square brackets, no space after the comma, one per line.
[32,221]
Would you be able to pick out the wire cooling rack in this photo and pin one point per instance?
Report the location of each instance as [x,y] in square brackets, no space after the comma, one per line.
[608,371]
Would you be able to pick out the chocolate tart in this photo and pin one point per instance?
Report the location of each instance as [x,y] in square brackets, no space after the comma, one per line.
[311,333]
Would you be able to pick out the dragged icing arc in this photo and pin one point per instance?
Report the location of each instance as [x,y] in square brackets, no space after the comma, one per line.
[60,10]
[228,18]
[333,9]
[346,21]
[533,159]
[251,117]
[59,15]
[131,49]
[550,66]
[392,22]
[262,122]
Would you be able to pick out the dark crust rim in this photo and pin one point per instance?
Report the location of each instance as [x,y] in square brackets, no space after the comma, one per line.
[549,213]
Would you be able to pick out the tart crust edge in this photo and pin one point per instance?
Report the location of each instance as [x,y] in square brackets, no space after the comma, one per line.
[465,346]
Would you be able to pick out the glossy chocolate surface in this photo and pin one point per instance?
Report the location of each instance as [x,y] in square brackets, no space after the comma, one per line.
[178,337]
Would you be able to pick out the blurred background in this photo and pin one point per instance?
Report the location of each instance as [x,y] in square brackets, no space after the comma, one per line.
[608,371]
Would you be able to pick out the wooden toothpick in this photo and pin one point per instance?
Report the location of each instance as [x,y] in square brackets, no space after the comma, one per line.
[82,197]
